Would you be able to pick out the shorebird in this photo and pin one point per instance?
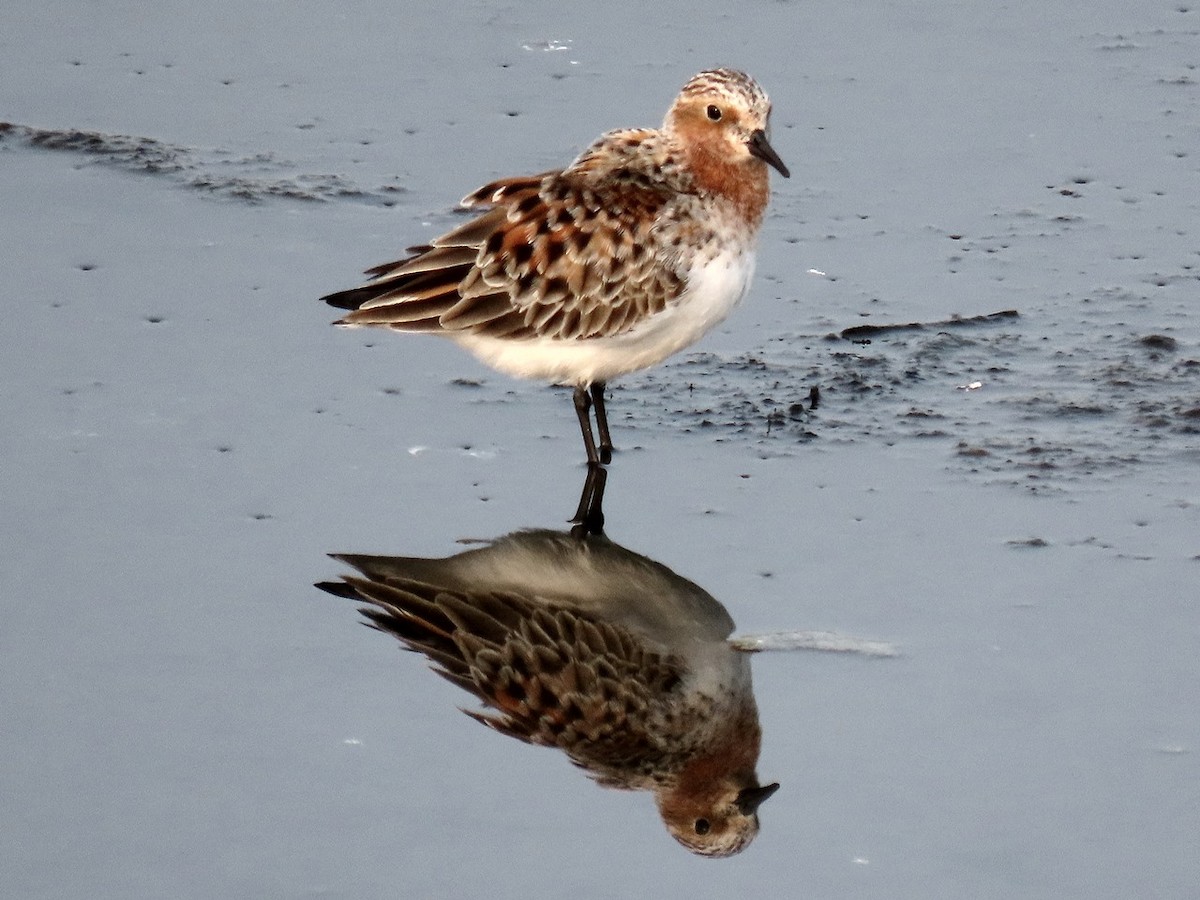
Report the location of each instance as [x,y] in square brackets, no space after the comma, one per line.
[577,276]
[577,643]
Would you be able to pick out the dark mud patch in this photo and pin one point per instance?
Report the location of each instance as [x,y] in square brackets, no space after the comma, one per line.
[1010,399]
[254,178]
[858,333]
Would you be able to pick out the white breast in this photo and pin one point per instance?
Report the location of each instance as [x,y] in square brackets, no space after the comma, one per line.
[715,285]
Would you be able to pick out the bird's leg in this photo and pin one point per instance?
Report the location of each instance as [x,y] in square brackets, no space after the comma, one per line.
[606,447]
[589,517]
[582,405]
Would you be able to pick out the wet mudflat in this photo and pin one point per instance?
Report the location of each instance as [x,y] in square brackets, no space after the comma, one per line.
[1010,503]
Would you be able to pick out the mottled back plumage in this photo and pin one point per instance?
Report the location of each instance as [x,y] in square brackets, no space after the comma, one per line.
[566,255]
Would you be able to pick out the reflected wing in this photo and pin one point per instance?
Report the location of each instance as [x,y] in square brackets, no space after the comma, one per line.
[553,676]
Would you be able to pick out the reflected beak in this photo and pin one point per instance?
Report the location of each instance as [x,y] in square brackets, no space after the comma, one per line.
[761,147]
[750,799]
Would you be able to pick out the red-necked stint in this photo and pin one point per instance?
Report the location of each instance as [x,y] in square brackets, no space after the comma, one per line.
[577,276]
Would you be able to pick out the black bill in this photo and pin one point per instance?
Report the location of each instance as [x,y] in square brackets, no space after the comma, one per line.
[761,147]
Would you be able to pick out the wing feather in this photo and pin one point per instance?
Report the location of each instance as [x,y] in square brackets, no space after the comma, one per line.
[570,255]
[551,675]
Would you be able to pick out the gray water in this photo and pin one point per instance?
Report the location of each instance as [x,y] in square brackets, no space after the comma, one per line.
[1011,502]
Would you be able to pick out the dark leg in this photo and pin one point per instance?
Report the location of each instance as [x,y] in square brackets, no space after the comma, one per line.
[589,517]
[582,404]
[606,447]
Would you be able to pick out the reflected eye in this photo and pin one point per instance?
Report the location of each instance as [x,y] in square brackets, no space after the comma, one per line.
[702,825]
[714,113]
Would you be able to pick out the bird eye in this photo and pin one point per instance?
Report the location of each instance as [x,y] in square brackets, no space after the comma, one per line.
[702,825]
[714,113]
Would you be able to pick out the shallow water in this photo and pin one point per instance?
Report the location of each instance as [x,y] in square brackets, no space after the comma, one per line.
[1011,505]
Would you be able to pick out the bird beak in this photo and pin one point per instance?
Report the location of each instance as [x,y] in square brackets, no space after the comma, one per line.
[761,147]
[751,798]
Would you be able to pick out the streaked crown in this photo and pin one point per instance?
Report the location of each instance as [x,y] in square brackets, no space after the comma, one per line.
[730,82]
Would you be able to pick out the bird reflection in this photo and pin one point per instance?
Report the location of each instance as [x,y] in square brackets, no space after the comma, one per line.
[574,642]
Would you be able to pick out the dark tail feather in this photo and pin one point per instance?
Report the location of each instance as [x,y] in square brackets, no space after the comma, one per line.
[432,270]
[356,297]
[338,589]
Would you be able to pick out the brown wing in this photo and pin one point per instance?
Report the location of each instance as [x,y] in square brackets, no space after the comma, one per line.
[554,676]
[570,255]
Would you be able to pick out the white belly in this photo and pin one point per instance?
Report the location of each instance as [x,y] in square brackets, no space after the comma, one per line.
[713,289]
